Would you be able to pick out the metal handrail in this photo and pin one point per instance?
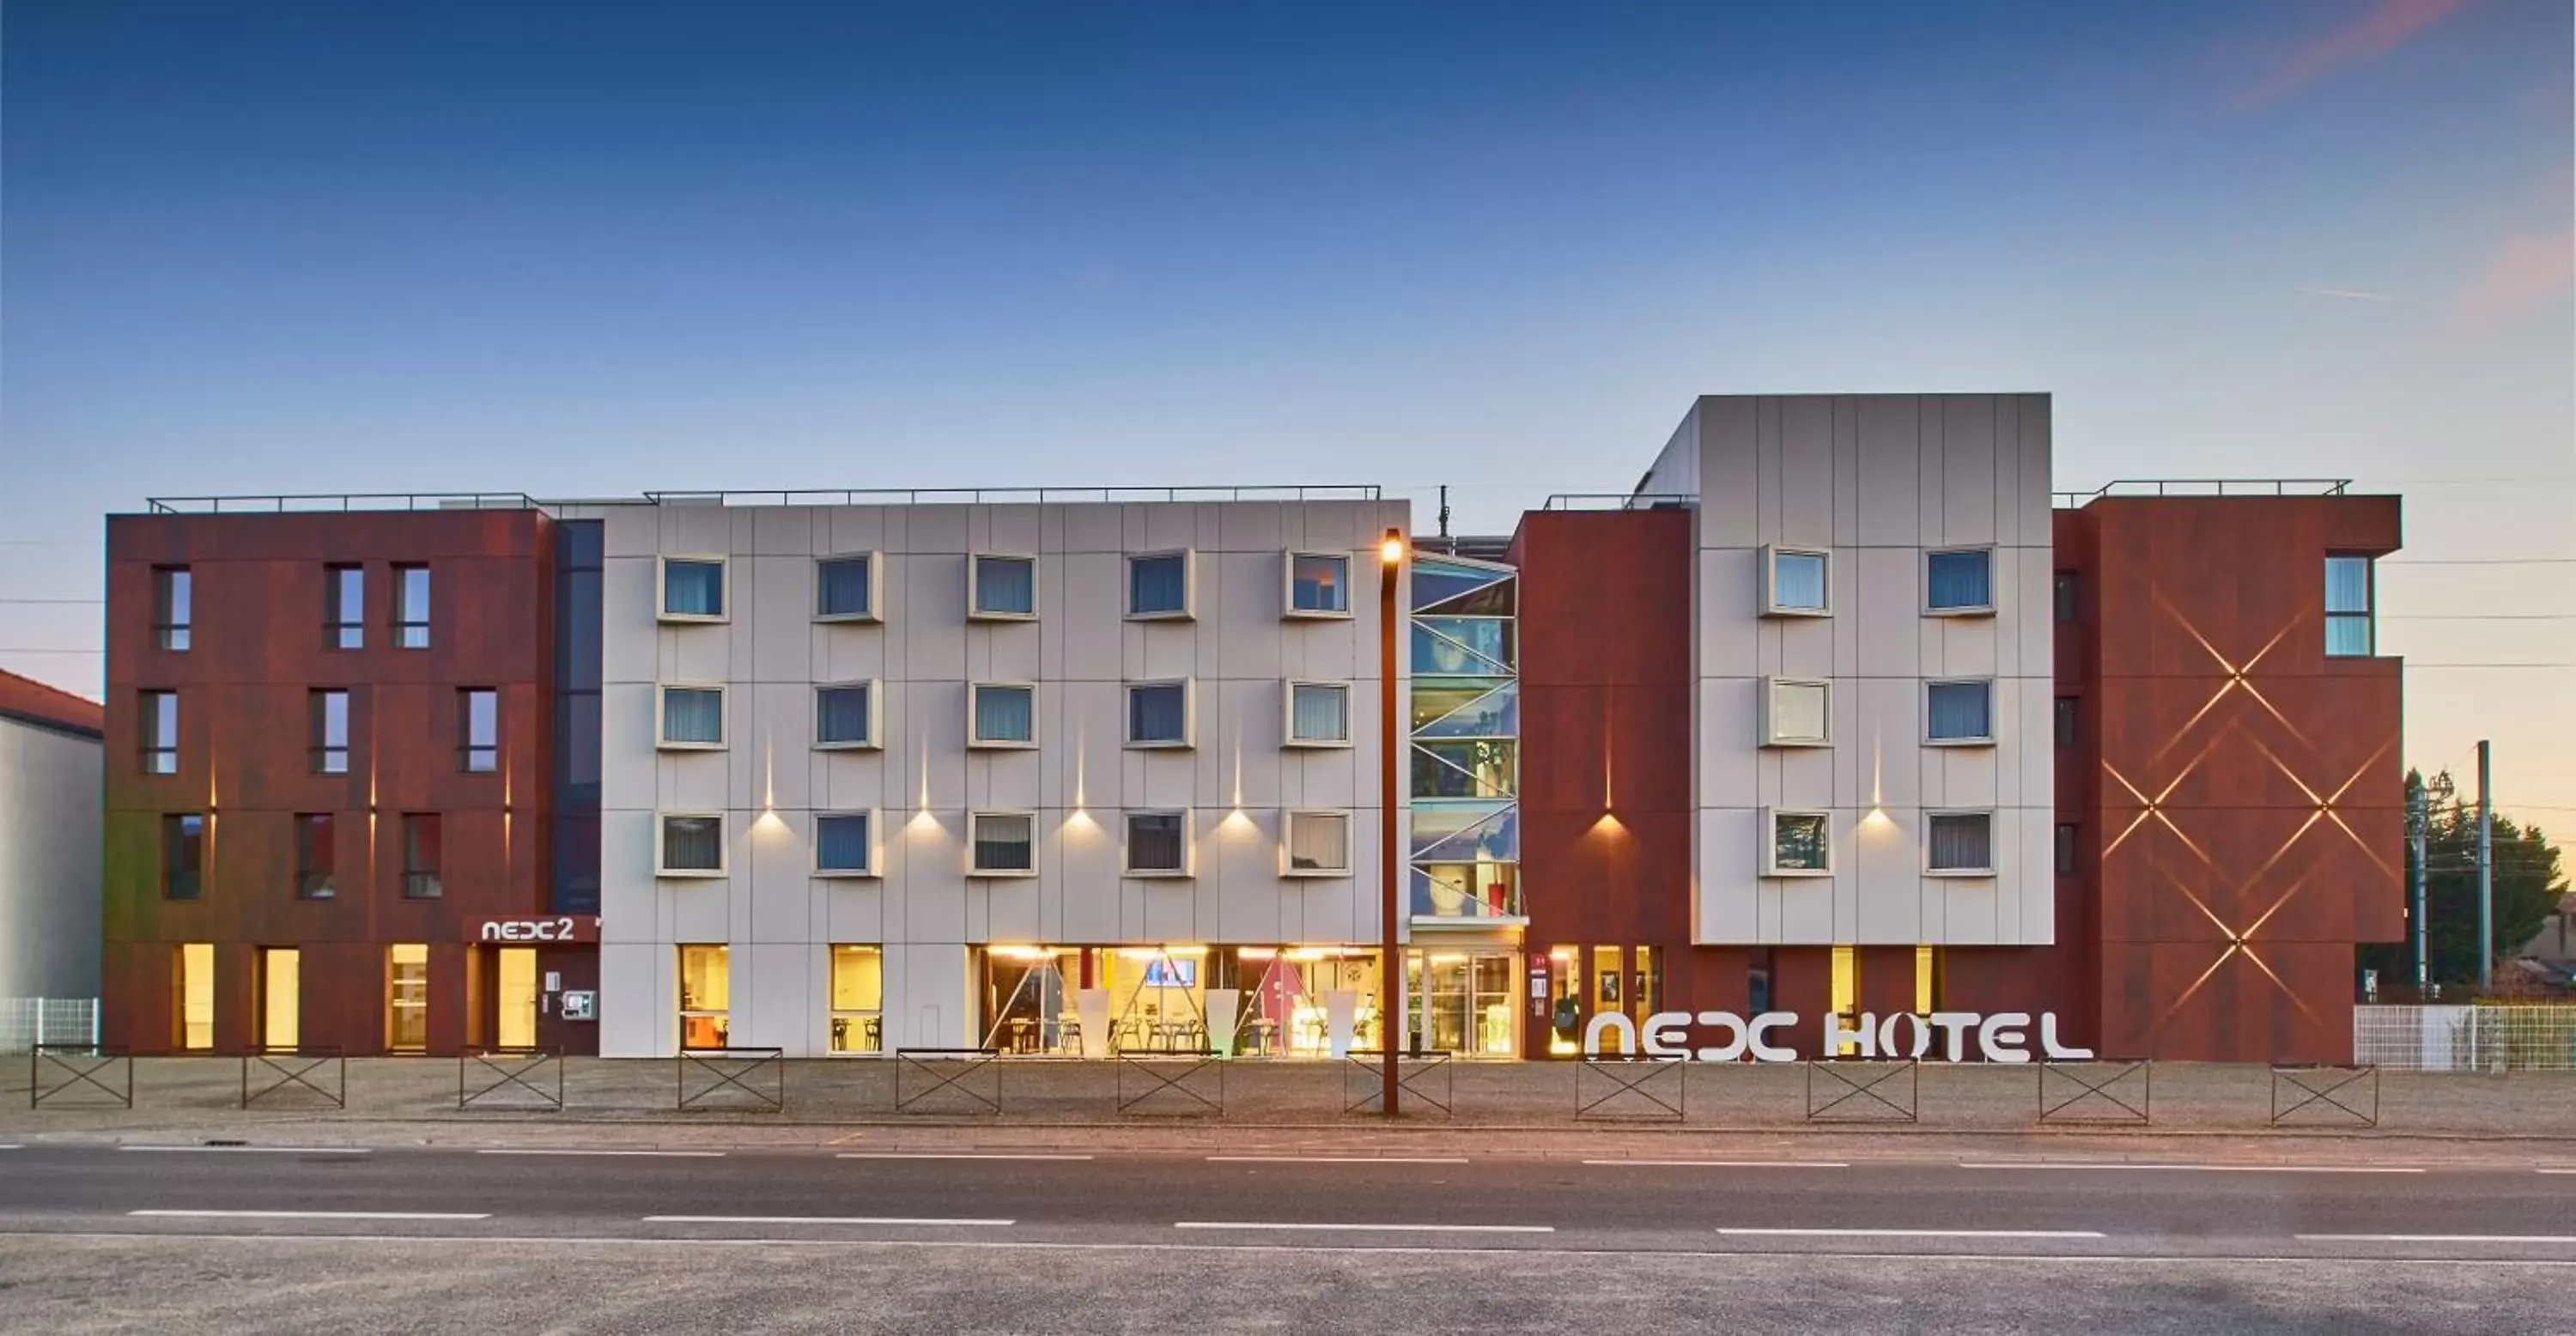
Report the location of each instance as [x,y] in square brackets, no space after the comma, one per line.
[1620,501]
[340,502]
[889,496]
[2202,487]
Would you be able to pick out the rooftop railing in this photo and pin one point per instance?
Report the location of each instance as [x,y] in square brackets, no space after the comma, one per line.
[1619,501]
[2202,487]
[339,502]
[997,496]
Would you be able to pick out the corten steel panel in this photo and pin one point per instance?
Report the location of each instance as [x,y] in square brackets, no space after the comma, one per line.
[1802,980]
[2245,815]
[257,652]
[1885,979]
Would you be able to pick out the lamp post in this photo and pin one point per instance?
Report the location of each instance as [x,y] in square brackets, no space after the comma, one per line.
[1390,555]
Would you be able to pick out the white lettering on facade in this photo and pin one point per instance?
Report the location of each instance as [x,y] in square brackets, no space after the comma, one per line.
[2003,1037]
[558,929]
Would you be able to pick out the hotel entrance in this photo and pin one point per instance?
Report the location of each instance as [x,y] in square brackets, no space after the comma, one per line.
[1584,981]
[1462,1002]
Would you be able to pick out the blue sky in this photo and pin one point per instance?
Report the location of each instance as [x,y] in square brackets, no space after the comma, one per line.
[557,249]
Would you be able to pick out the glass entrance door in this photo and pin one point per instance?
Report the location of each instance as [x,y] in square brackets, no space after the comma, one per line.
[1463,1001]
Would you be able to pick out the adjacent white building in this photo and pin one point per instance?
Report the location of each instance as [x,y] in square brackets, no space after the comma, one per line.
[913,775]
[1874,664]
[50,806]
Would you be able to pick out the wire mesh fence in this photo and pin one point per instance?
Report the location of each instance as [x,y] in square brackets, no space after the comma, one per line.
[2477,1038]
[28,1021]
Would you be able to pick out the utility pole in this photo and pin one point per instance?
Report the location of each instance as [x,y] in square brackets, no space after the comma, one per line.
[2486,873]
[2419,815]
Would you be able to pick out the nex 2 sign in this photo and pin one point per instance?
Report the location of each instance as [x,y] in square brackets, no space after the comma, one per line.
[2002,1036]
[547,929]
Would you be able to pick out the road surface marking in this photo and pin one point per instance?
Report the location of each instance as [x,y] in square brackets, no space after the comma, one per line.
[254,1150]
[23,1148]
[2204,1168]
[814,1220]
[2559,1239]
[1914,1233]
[1336,1159]
[2543,1171]
[670,1154]
[312,1215]
[1724,1164]
[951,1155]
[1364,1229]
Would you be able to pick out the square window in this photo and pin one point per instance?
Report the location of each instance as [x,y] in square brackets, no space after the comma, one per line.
[844,844]
[1001,588]
[1158,844]
[173,607]
[1319,714]
[411,607]
[1797,712]
[692,718]
[693,589]
[1959,844]
[1797,843]
[845,588]
[316,859]
[2350,632]
[329,711]
[1797,582]
[1158,714]
[2066,718]
[424,856]
[1959,582]
[845,716]
[1001,714]
[344,607]
[160,739]
[1319,584]
[183,856]
[1959,713]
[1316,844]
[478,718]
[690,844]
[1159,585]
[2066,837]
[1002,844]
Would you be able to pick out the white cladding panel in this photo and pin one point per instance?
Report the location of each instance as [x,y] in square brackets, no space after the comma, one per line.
[50,845]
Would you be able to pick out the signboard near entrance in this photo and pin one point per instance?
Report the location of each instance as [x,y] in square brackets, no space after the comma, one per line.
[542,929]
[1951,1036]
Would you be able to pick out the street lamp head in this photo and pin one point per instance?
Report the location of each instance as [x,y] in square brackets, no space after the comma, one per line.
[1391,550]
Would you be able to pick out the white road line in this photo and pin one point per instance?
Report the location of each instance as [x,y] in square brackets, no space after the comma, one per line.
[23,1148]
[2561,1240]
[1362,1228]
[1336,1159]
[2204,1168]
[1914,1233]
[2536,1171]
[1723,1164]
[254,1150]
[668,1154]
[312,1215]
[816,1220]
[950,1155]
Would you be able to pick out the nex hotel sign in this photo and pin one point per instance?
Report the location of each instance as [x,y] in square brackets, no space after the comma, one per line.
[2002,1036]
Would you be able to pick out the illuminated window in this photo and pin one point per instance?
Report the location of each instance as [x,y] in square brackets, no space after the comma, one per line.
[1158,844]
[173,611]
[1158,714]
[1845,989]
[858,999]
[344,607]
[692,718]
[1001,588]
[160,733]
[315,857]
[1796,712]
[845,588]
[407,997]
[1003,844]
[706,996]
[2349,630]
[1959,844]
[1159,586]
[183,856]
[693,589]
[1316,844]
[328,712]
[280,1000]
[1797,843]
[1797,582]
[1959,582]
[195,994]
[411,607]
[478,727]
[1927,991]
[1319,584]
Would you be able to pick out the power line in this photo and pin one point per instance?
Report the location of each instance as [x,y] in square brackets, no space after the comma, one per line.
[91,602]
[2464,616]
[2479,561]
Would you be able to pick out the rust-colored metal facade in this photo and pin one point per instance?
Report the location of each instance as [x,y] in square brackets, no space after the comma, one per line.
[257,650]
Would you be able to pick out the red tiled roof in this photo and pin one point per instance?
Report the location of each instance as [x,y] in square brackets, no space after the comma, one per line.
[26,698]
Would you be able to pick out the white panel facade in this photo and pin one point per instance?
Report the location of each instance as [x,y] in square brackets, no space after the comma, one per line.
[49,861]
[1876,483]
[921,906]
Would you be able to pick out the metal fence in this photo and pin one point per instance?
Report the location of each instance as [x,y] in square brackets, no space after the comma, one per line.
[2486,1038]
[28,1021]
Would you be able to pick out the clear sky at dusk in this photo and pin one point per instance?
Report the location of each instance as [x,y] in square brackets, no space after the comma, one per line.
[591,250]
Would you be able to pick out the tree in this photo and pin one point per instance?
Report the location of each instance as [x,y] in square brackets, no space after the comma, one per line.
[2528,886]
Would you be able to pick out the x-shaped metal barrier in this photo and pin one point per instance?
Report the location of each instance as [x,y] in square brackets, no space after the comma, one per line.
[1414,1073]
[1865,1091]
[290,1072]
[2338,1095]
[73,1066]
[1183,1076]
[506,1072]
[947,1070]
[733,1070]
[1636,1082]
[2096,1092]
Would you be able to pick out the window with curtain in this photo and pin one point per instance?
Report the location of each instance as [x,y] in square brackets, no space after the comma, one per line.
[1961,841]
[1319,712]
[160,732]
[1319,842]
[1005,715]
[2348,614]
[1158,714]
[1319,583]
[1961,581]
[841,716]
[1798,713]
[1005,842]
[693,843]
[1006,587]
[692,587]
[1959,711]
[841,843]
[1156,842]
[1800,843]
[842,588]
[1798,581]
[693,716]
[1158,585]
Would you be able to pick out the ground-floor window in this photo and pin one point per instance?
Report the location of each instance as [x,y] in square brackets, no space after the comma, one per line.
[407,997]
[706,996]
[1463,1002]
[858,999]
[281,1003]
[1252,1000]
[515,999]
[194,992]
[1583,982]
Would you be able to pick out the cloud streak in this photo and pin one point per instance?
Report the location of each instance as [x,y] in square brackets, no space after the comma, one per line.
[2522,274]
[2387,26]
[2347,294]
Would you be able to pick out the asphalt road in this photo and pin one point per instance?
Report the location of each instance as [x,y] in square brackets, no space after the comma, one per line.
[205,1239]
